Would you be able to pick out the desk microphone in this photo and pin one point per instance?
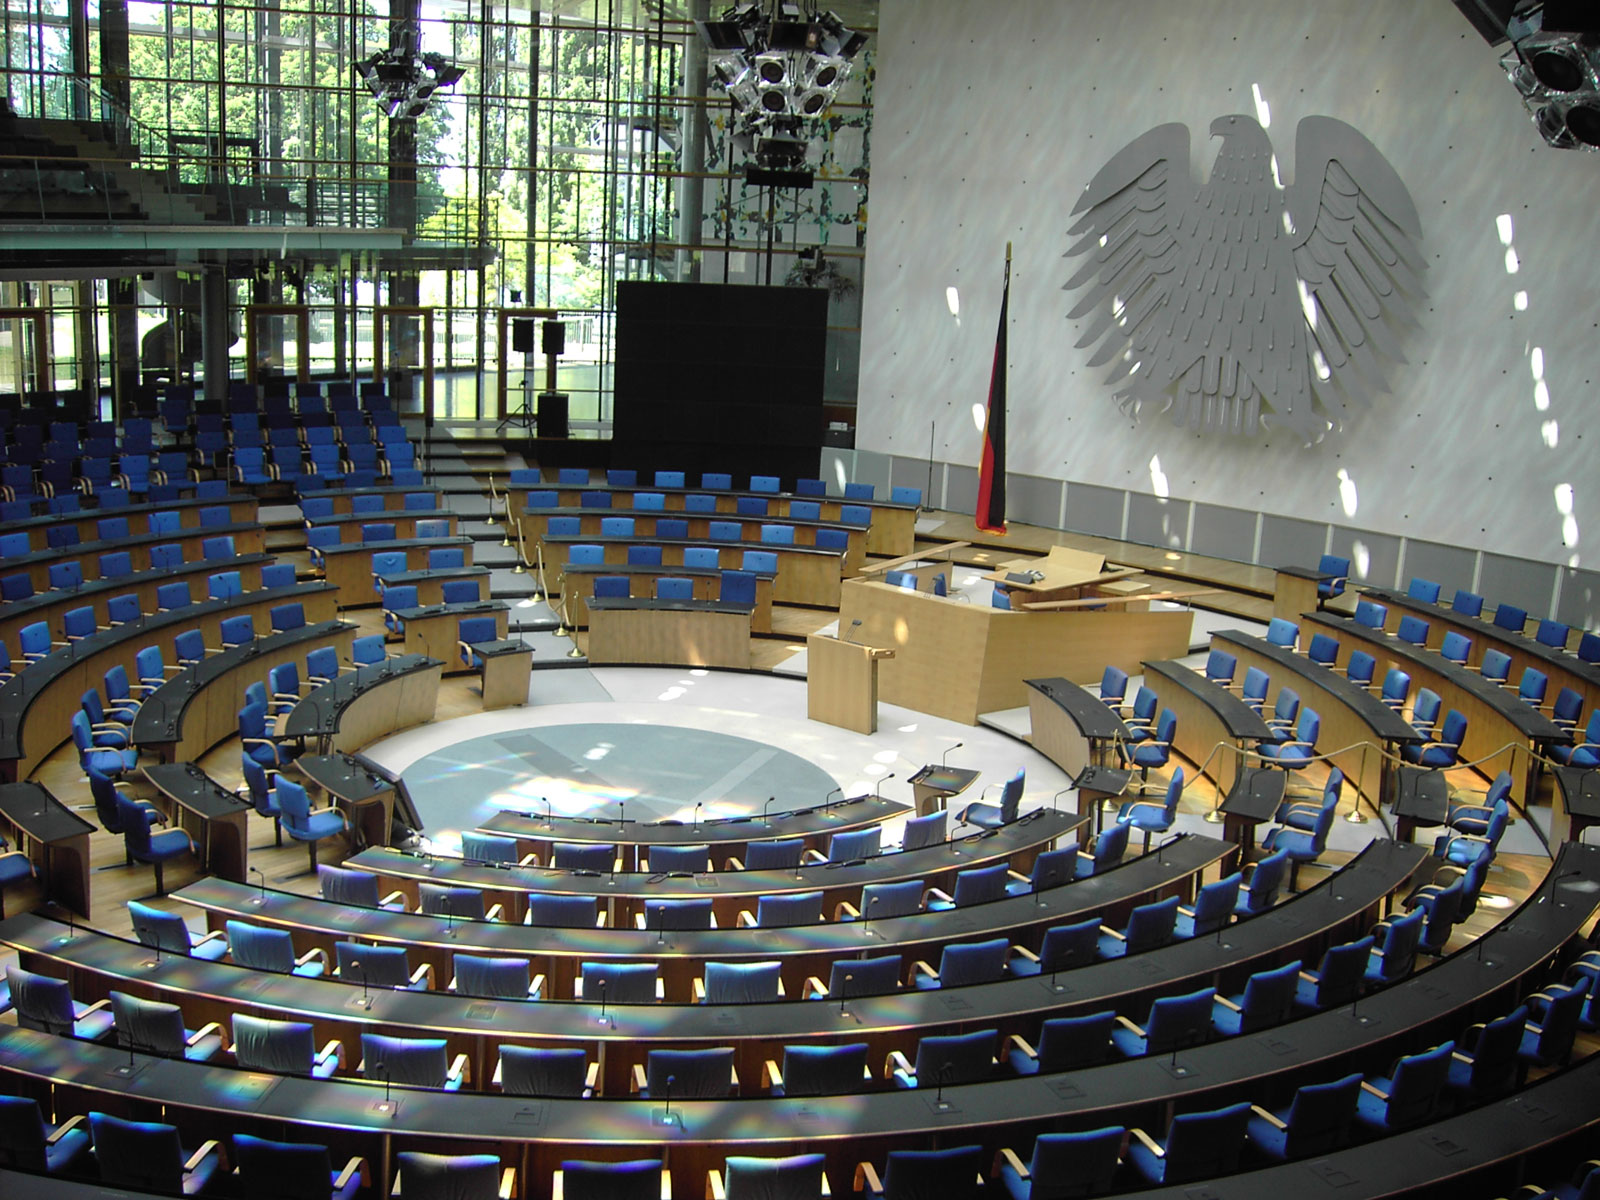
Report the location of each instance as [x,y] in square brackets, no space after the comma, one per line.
[698,806]
[844,992]
[1161,846]
[262,898]
[601,987]
[878,791]
[661,926]
[383,1069]
[549,812]
[942,1076]
[946,754]
[851,636]
[764,809]
[666,1115]
[866,917]
[840,792]
[355,965]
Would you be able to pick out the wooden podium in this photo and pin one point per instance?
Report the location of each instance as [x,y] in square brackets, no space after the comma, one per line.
[842,682]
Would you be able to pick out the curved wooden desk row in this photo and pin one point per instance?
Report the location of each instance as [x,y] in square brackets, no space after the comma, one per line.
[1208,715]
[535,1134]
[368,703]
[577,586]
[1496,717]
[247,539]
[724,835]
[348,566]
[1562,668]
[624,894]
[242,510]
[404,521]
[535,525]
[1558,1111]
[1299,928]
[696,633]
[804,950]
[806,575]
[36,706]
[434,630]
[1351,715]
[50,606]
[891,531]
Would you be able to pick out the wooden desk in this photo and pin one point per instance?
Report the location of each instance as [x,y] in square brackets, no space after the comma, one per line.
[242,510]
[36,706]
[348,566]
[366,798]
[430,581]
[56,840]
[507,666]
[1062,574]
[404,522]
[577,585]
[1294,591]
[724,837]
[842,682]
[1496,716]
[806,575]
[1209,716]
[394,498]
[247,539]
[932,786]
[199,706]
[703,633]
[218,820]
[366,704]
[434,631]
[1354,721]
[957,660]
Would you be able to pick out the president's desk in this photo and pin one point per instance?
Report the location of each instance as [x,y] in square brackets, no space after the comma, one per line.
[958,660]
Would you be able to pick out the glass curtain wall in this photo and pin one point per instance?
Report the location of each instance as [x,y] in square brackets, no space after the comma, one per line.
[580,149]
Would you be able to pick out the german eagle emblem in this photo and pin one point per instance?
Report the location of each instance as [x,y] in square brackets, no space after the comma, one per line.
[1244,302]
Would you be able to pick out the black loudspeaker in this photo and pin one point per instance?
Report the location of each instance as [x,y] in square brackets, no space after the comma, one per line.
[521,335]
[551,421]
[555,337]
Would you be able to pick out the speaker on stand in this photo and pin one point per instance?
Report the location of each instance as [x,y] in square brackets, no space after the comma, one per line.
[521,343]
[553,405]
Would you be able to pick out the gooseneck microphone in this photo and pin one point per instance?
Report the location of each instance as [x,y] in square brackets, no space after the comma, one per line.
[946,754]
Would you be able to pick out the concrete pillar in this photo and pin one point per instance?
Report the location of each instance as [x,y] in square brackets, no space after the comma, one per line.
[216,332]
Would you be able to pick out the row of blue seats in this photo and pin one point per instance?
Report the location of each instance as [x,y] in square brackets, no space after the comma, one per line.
[710,481]
[705,504]
[677,529]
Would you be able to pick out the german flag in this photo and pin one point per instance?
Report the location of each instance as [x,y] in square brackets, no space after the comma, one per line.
[991,514]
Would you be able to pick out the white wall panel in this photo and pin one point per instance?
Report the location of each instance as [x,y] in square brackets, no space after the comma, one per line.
[991,118]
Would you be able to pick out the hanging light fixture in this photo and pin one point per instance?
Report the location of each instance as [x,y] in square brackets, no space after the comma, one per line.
[403,79]
[781,65]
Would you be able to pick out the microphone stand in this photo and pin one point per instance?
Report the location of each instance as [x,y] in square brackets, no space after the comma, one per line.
[764,809]
[600,986]
[666,1116]
[878,791]
[946,1069]
[866,917]
[946,754]
[366,1000]
[261,898]
[384,1106]
[844,992]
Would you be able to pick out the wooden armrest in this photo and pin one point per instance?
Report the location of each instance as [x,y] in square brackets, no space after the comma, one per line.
[97,1006]
[508,1183]
[391,898]
[1127,1024]
[1121,937]
[714,1185]
[335,1049]
[937,893]
[815,986]
[1309,977]
[771,1076]
[1028,1051]
[897,1061]
[1019,878]
[425,971]
[530,859]
[591,1077]
[1024,952]
[867,1176]
[1268,1117]
[1226,1003]
[199,1156]
[316,952]
[731,863]
[845,908]
[216,935]
[699,990]
[66,1126]
[1373,1089]
[536,988]
[1186,911]
[733,1077]
[356,1166]
[639,1082]
[205,1031]
[1148,1142]
[638,920]
[919,968]
[496,912]
[745,920]
[1008,1157]
[1460,1057]
[812,856]
[460,1069]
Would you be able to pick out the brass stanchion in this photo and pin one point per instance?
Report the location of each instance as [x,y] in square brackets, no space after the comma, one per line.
[522,549]
[489,520]
[1355,816]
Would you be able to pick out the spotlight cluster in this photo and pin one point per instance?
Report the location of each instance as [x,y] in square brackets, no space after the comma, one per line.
[781,64]
[403,79]
[1556,70]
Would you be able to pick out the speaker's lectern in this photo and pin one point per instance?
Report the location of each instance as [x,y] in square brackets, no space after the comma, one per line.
[842,682]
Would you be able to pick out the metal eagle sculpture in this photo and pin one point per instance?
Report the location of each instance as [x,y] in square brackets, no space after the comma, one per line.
[1244,303]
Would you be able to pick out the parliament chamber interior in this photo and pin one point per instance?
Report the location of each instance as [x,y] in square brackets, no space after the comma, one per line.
[533,665]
